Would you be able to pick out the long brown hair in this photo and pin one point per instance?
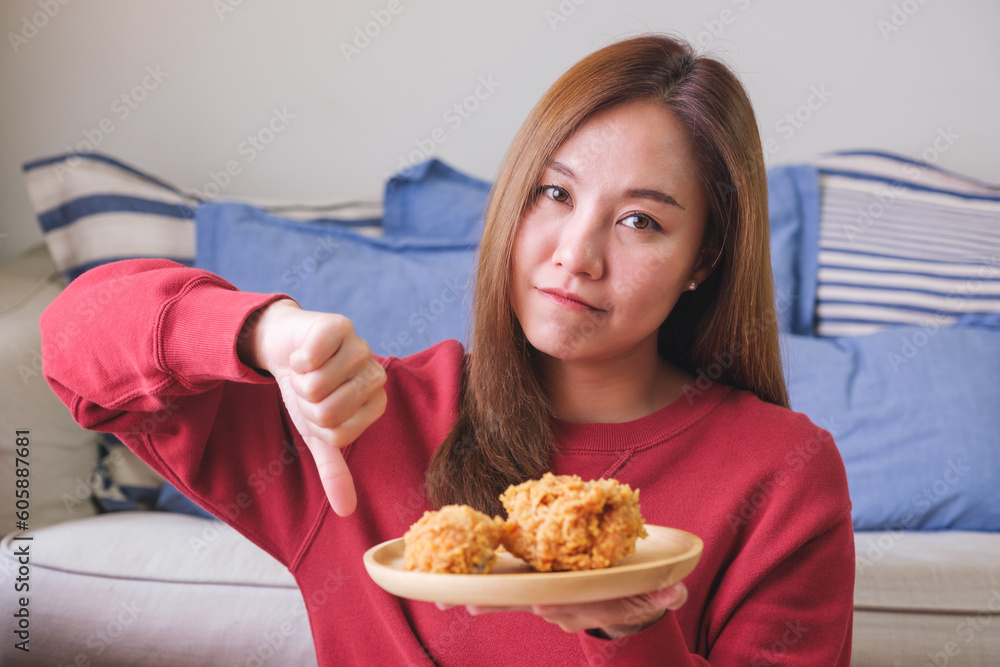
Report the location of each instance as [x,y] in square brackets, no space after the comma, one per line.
[725,331]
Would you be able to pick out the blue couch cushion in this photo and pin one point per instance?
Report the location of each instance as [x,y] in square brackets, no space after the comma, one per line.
[914,412]
[402,295]
[405,288]
[404,291]
[172,500]
[865,240]
[431,200]
[793,206]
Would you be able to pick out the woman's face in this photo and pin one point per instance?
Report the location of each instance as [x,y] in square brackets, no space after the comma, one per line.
[613,239]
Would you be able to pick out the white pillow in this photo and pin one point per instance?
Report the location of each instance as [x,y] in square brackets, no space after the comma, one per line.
[61,455]
[95,209]
[903,242]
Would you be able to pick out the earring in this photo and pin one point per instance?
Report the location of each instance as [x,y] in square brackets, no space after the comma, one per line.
[692,285]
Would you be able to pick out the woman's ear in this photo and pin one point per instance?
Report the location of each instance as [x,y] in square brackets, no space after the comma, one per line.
[708,260]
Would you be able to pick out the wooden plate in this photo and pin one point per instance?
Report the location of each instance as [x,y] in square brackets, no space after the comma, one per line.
[662,559]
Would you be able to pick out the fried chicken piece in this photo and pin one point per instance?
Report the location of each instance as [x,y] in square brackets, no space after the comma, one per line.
[563,523]
[455,539]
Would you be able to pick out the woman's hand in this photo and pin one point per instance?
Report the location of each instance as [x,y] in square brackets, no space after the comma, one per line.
[329,381]
[611,619]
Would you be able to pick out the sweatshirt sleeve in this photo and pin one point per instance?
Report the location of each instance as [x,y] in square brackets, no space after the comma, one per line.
[800,613]
[660,644]
[146,349]
[777,586]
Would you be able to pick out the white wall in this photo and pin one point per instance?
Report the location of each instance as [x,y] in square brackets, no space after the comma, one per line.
[224,73]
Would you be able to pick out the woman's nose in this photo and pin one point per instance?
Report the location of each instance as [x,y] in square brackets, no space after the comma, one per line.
[580,248]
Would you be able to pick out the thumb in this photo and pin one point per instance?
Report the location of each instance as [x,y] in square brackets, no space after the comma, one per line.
[334,475]
[671,597]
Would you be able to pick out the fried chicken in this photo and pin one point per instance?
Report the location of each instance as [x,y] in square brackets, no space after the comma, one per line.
[455,539]
[563,523]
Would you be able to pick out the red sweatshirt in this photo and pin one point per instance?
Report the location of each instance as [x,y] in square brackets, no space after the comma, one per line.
[146,349]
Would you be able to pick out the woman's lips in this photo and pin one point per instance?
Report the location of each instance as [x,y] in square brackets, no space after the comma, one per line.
[568,300]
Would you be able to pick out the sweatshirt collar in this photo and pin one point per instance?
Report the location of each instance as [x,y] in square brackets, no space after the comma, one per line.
[645,431]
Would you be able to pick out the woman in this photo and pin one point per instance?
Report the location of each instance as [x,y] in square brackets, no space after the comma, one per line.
[624,327]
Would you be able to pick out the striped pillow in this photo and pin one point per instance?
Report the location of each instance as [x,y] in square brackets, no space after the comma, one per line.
[95,209]
[903,242]
[121,482]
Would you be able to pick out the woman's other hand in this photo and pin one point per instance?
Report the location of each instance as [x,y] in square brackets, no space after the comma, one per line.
[331,384]
[611,619]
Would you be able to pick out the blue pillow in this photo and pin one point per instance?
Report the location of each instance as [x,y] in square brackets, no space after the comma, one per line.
[913,411]
[902,242]
[793,205]
[403,295]
[172,500]
[95,209]
[404,290]
[434,201]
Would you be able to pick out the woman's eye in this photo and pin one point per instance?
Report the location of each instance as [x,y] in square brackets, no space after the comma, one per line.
[639,221]
[555,192]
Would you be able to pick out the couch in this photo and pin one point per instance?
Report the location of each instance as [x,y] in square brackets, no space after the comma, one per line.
[117,579]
